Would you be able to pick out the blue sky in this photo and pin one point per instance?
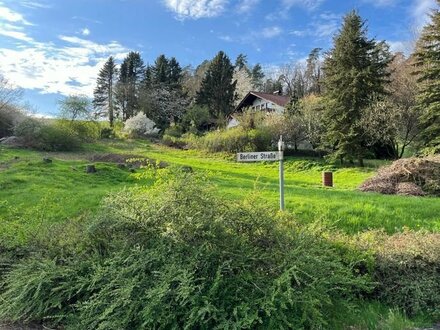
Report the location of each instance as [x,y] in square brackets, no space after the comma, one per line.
[53,48]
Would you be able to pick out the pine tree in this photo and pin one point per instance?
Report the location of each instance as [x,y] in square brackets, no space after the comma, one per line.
[160,70]
[355,73]
[257,77]
[313,73]
[103,95]
[175,74]
[217,91]
[162,98]
[129,83]
[428,61]
[241,62]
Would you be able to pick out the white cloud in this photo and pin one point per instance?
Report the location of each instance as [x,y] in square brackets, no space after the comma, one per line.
[382,3]
[322,26]
[69,69]
[42,115]
[68,65]
[85,32]
[9,15]
[308,4]
[196,9]
[271,32]
[226,38]
[246,5]
[282,13]
[35,5]
[18,35]
[420,12]
[404,47]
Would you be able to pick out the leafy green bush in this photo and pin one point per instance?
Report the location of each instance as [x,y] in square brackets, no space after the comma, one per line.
[196,119]
[176,256]
[174,131]
[86,131]
[235,139]
[46,136]
[107,133]
[172,141]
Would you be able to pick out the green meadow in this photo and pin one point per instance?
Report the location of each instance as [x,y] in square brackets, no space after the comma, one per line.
[34,194]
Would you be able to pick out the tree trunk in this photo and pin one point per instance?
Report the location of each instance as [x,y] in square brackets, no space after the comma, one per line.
[361,162]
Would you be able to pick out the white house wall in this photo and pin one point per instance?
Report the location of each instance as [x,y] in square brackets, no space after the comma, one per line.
[258,103]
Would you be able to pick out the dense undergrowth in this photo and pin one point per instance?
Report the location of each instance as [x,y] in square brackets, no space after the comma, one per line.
[185,251]
[176,255]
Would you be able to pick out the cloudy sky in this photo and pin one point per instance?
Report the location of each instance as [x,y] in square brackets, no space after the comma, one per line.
[53,48]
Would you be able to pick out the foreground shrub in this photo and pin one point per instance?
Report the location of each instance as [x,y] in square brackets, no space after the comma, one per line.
[408,272]
[176,256]
[405,267]
[46,136]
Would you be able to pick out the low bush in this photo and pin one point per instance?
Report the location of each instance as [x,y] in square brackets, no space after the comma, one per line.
[85,131]
[405,268]
[107,133]
[46,136]
[234,140]
[176,256]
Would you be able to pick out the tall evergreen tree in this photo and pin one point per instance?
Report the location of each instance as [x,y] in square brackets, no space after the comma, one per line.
[175,74]
[160,70]
[428,61]
[130,76]
[162,97]
[257,77]
[241,62]
[103,95]
[355,73]
[312,74]
[217,91]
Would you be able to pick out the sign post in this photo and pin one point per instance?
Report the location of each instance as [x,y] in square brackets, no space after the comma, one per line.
[268,156]
[281,151]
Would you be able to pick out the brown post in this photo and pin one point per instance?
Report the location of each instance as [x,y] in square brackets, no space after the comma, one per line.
[327,179]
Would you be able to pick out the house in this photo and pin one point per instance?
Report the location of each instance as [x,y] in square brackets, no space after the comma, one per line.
[258,101]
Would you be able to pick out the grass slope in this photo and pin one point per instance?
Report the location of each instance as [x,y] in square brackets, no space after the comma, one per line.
[35,194]
[342,206]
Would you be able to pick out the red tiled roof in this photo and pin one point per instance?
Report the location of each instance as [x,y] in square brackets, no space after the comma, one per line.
[280,100]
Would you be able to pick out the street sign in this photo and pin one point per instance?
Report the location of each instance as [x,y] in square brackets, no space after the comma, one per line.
[259,156]
[268,156]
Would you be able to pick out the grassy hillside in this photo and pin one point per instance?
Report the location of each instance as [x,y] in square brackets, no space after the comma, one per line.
[34,194]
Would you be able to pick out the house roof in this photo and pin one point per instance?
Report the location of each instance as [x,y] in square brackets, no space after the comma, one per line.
[280,100]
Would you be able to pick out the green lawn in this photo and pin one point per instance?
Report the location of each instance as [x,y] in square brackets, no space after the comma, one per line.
[34,194]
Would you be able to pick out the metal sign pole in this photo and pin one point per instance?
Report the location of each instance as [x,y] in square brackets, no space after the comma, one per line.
[281,151]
